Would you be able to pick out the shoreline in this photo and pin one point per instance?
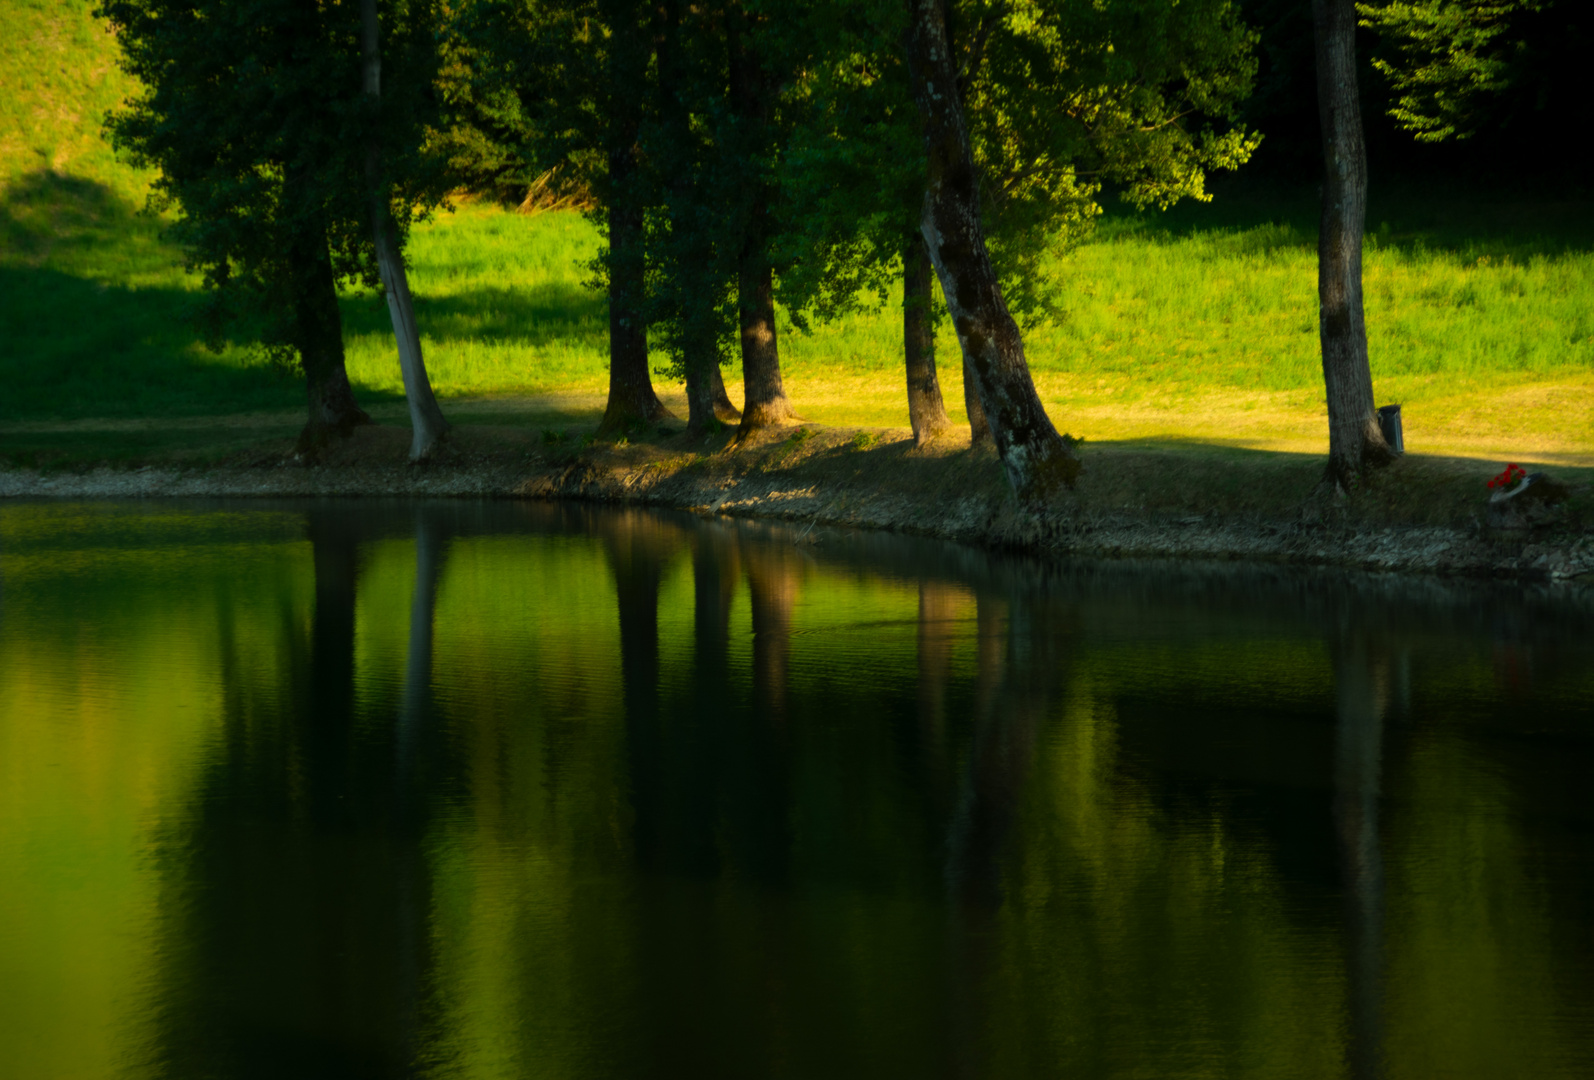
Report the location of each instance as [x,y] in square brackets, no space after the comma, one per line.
[1134,502]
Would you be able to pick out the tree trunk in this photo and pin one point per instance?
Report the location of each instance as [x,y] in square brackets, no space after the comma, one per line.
[706,398]
[724,410]
[764,401]
[979,427]
[318,338]
[926,411]
[632,399]
[702,380]
[1036,459]
[1354,440]
[426,419]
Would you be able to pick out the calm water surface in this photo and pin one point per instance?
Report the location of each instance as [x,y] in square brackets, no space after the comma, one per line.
[453,790]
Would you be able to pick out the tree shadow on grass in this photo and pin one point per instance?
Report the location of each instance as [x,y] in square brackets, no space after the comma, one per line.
[533,317]
[81,341]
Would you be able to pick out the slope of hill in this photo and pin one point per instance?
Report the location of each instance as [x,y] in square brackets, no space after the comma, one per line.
[58,76]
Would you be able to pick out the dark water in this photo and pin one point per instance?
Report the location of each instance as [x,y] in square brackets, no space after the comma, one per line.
[457,790]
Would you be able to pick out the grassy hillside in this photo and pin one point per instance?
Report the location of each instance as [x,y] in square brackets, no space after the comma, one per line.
[1199,324]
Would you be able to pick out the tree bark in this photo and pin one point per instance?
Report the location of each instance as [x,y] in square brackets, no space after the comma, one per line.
[632,399]
[764,401]
[707,401]
[1036,459]
[426,419]
[318,338]
[926,410]
[1355,442]
[979,427]
[724,410]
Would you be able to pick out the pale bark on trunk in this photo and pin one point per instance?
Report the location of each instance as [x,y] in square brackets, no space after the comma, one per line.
[1036,459]
[318,338]
[764,401]
[926,410]
[426,419]
[632,399]
[1355,441]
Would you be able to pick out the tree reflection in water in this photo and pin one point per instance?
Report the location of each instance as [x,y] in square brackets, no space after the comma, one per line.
[505,790]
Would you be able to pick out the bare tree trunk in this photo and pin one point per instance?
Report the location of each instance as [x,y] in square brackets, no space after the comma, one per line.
[724,410]
[631,396]
[1355,442]
[706,398]
[426,419]
[702,379]
[979,427]
[1036,459]
[926,411]
[318,338]
[764,401]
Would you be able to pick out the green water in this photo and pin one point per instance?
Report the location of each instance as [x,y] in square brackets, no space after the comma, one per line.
[493,790]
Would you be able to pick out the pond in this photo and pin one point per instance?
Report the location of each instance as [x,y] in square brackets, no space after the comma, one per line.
[456,789]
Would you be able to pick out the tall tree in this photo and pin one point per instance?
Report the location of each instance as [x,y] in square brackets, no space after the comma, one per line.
[750,147]
[426,420]
[1355,442]
[234,115]
[691,245]
[1037,460]
[570,85]
[1057,98]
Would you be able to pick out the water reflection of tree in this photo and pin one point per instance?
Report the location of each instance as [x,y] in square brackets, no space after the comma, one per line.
[300,945]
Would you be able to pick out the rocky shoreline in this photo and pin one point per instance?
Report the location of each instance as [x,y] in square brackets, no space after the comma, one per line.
[954,496]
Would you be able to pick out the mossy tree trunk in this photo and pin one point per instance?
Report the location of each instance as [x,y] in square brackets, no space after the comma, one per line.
[1036,459]
[426,419]
[1355,442]
[926,410]
[764,401]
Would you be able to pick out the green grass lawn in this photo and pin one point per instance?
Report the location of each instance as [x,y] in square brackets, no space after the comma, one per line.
[1195,325]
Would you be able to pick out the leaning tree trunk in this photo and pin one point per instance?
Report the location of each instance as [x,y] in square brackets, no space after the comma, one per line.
[1036,459]
[317,331]
[426,419]
[764,401]
[926,411]
[1354,440]
[632,399]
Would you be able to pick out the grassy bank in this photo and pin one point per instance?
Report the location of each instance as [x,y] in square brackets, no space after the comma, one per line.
[1196,326]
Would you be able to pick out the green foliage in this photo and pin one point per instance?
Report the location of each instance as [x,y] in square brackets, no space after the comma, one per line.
[1443,57]
[252,113]
[1061,98]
